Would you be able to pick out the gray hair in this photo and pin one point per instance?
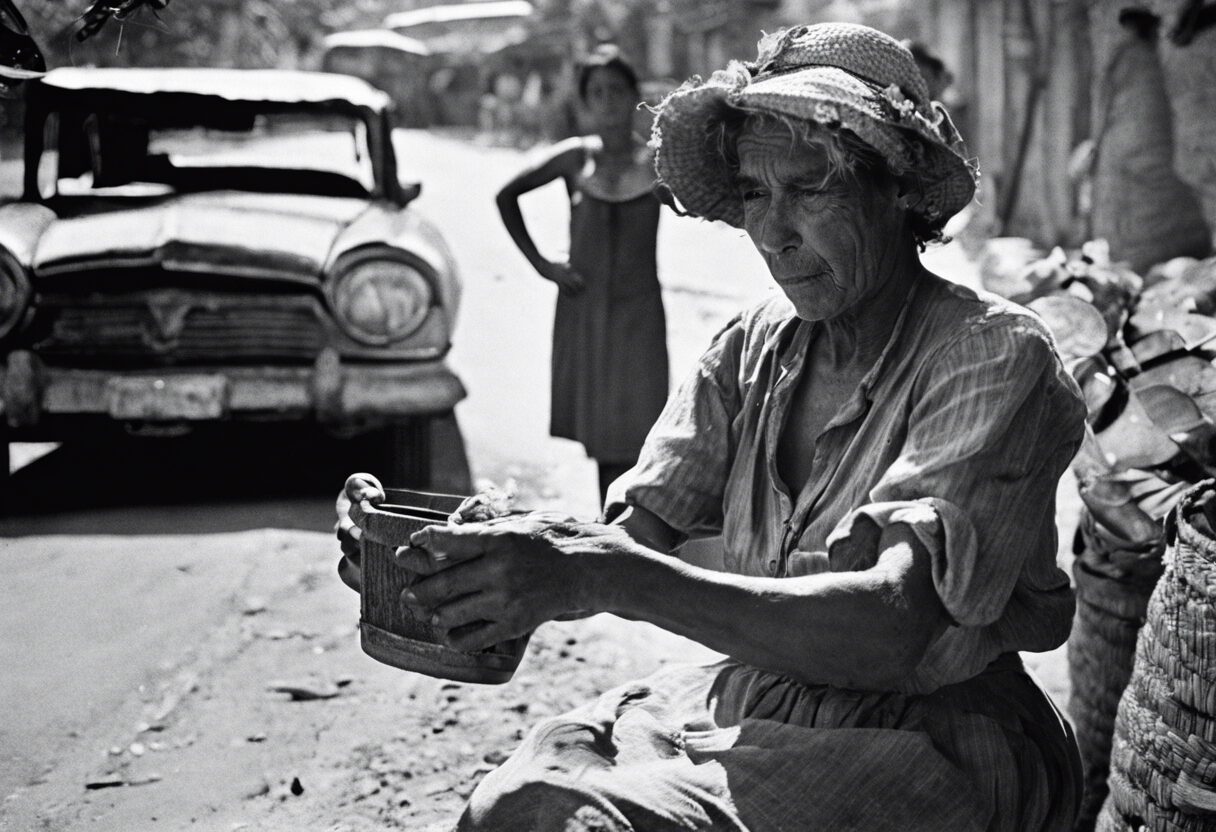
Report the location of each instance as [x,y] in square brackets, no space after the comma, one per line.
[845,152]
[850,160]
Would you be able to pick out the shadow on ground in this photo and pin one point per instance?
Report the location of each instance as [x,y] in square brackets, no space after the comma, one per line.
[273,477]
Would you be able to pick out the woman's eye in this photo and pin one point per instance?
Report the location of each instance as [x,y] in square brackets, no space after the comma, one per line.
[749,194]
[820,199]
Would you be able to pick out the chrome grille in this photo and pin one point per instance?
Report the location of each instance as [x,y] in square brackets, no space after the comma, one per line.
[179,329]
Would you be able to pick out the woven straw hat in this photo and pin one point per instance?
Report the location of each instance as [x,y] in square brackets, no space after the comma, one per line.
[835,74]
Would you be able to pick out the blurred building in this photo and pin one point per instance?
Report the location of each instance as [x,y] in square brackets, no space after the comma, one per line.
[462,39]
[1024,73]
[465,27]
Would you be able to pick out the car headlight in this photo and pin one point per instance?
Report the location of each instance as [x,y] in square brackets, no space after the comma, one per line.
[378,301]
[14,294]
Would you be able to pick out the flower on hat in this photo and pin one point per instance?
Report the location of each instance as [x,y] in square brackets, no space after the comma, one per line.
[826,113]
[772,48]
[904,106]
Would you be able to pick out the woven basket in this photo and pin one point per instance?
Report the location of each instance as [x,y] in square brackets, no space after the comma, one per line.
[1163,759]
[1144,733]
[1125,809]
[1177,682]
[1101,654]
[1173,662]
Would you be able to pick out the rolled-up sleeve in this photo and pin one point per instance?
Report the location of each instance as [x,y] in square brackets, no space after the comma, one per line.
[993,424]
[682,469]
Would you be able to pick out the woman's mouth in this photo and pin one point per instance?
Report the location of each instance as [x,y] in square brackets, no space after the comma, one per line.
[798,278]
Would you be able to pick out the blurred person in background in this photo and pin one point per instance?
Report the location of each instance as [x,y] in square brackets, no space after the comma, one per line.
[1188,56]
[507,89]
[937,77]
[609,362]
[1138,204]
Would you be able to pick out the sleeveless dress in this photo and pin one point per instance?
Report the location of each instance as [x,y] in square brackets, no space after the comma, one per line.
[609,365]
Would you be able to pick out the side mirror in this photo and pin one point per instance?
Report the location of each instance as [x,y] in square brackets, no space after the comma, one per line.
[408,192]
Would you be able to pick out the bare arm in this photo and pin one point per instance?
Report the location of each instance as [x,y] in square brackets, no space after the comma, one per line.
[563,162]
[865,629]
[648,529]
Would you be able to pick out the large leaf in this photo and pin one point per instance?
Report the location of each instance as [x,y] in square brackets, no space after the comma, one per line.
[1079,329]
[1133,441]
[1194,330]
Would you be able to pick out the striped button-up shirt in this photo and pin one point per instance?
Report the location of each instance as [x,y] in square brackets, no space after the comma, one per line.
[961,430]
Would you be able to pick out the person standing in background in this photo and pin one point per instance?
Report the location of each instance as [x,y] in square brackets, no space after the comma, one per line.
[1139,204]
[937,77]
[609,364]
[1188,56]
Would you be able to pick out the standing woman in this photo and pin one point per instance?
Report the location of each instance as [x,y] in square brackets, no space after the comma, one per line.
[609,333]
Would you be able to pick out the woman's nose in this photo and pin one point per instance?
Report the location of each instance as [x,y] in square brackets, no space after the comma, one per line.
[778,235]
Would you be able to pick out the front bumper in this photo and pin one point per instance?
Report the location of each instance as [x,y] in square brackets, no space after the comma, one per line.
[329,392]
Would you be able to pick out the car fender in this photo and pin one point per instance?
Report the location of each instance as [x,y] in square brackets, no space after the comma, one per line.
[22,225]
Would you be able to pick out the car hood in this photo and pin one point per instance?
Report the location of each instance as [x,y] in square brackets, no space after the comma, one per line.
[259,235]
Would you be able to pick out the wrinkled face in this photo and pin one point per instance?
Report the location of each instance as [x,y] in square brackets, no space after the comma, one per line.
[610,99]
[824,239]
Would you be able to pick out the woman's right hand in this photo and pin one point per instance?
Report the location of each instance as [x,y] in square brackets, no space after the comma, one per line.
[568,281]
[358,487]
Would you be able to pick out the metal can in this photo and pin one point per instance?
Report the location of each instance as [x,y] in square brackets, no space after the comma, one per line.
[389,632]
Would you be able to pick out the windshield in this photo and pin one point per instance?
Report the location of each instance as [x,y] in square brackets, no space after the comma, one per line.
[294,152]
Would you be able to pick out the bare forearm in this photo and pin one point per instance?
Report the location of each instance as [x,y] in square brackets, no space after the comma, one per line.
[648,529]
[852,629]
[513,221]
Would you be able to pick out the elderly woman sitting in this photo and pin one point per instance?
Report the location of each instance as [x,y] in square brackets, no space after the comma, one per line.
[879,450]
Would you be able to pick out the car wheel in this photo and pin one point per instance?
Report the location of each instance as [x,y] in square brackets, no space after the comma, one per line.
[424,452]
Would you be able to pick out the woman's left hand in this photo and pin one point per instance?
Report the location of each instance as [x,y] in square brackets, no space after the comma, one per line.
[483,583]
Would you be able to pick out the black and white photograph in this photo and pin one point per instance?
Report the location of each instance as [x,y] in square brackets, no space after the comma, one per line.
[608,415]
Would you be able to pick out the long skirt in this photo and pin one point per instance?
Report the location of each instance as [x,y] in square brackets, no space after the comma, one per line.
[730,747]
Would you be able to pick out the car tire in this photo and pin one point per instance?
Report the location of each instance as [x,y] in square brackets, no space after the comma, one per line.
[423,452]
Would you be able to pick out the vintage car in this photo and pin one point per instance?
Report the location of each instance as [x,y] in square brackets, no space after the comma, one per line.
[203,246]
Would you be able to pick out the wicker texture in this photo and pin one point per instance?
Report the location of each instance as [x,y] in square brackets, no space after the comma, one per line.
[835,74]
[1163,758]
[1101,655]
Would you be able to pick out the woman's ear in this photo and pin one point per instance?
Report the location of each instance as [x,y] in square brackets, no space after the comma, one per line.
[907,197]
